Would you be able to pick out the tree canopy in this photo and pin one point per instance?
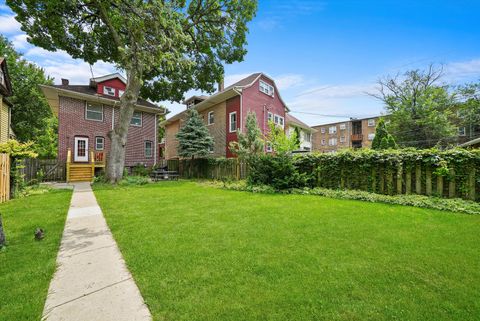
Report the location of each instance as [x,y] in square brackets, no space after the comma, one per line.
[194,139]
[280,142]
[383,139]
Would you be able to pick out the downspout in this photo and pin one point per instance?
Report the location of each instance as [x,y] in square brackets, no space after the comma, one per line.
[155,148]
[241,108]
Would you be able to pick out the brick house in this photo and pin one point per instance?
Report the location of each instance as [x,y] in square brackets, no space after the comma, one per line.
[5,106]
[86,113]
[355,133]
[225,111]
[304,133]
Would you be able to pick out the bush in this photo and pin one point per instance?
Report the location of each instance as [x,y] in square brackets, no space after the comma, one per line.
[134,180]
[277,171]
[140,170]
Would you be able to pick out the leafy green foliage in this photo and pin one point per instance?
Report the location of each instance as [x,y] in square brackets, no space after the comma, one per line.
[18,150]
[383,139]
[194,139]
[277,171]
[46,142]
[281,143]
[468,107]
[250,143]
[30,111]
[421,109]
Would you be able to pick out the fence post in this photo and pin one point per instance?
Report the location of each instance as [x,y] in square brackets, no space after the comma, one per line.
[451,184]
[382,180]
[428,181]
[440,185]
[418,179]
[374,180]
[471,184]
[408,181]
[399,178]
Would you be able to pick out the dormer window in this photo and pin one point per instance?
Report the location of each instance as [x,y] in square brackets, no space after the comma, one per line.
[108,91]
[266,88]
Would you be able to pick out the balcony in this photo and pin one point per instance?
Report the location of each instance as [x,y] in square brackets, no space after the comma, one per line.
[357,137]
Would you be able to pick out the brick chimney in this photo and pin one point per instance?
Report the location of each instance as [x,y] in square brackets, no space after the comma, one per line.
[65,82]
[221,85]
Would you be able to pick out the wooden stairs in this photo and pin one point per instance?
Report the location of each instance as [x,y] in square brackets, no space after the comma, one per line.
[84,172]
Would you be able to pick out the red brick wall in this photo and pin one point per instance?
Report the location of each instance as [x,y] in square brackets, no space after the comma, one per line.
[72,122]
[233,105]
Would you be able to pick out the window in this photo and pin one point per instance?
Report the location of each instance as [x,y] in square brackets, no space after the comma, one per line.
[323,142]
[371,136]
[190,104]
[148,148]
[211,118]
[371,122]
[2,77]
[281,122]
[269,147]
[136,119]
[461,131]
[307,137]
[99,143]
[342,139]
[211,149]
[270,116]
[120,93]
[332,142]
[233,122]
[332,129]
[343,126]
[94,112]
[108,91]
[266,88]
[322,130]
[278,120]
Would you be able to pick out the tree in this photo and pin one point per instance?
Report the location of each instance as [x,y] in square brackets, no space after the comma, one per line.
[165,47]
[468,96]
[30,109]
[250,143]
[421,109]
[193,137]
[281,143]
[383,139]
[46,141]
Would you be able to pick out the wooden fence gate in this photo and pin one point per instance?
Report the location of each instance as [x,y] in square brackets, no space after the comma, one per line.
[4,177]
[43,170]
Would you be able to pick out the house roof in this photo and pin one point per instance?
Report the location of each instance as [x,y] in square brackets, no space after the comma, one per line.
[298,123]
[89,93]
[471,142]
[108,77]
[227,93]
[7,89]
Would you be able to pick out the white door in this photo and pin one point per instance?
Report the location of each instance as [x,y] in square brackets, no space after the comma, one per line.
[81,149]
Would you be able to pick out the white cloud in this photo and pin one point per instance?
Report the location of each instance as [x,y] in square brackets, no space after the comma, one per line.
[463,69]
[288,81]
[8,25]
[20,41]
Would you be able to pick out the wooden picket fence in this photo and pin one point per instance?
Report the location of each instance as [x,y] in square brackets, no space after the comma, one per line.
[43,170]
[208,169]
[4,177]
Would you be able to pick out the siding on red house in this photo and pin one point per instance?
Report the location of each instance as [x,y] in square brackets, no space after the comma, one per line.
[72,123]
[112,83]
[233,106]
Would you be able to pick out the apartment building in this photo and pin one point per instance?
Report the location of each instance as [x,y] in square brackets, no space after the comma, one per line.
[354,133]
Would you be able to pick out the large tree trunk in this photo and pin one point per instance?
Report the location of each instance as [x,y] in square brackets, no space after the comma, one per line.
[118,136]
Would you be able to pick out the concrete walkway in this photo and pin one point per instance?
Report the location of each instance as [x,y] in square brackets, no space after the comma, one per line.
[92,281]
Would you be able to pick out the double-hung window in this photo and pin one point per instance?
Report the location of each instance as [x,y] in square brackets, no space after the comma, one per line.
[323,142]
[99,143]
[93,111]
[136,119]
[343,126]
[371,122]
[322,130]
[211,118]
[461,131]
[371,136]
[342,139]
[332,142]
[270,116]
[307,137]
[232,122]
[332,129]
[148,148]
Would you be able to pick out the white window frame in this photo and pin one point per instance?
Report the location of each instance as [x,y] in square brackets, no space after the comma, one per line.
[230,122]
[212,115]
[462,131]
[106,91]
[332,129]
[269,147]
[265,88]
[371,122]
[270,116]
[342,139]
[324,142]
[2,77]
[343,126]
[307,137]
[371,136]
[211,149]
[323,130]
[145,149]
[96,142]
[141,119]
[332,141]
[87,104]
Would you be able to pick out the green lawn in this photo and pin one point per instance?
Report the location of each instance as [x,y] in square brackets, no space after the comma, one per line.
[200,253]
[26,265]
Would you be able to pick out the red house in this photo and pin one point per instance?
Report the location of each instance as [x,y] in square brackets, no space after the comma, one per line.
[86,113]
[225,112]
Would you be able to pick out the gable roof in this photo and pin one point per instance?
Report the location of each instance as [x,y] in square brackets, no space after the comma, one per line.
[108,77]
[7,89]
[227,93]
[298,123]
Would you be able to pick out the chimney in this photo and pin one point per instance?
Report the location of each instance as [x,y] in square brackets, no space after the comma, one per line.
[65,82]
[221,85]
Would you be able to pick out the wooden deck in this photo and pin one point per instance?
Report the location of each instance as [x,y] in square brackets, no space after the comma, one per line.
[84,172]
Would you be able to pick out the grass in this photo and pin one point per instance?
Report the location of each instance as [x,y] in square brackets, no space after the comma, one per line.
[26,265]
[200,253]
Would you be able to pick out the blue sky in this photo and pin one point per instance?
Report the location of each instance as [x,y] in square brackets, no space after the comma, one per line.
[325,55]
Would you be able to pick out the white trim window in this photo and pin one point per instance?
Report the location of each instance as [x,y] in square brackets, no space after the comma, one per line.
[109,91]
[279,120]
[332,129]
[323,130]
[266,88]
[93,111]
[371,122]
[307,137]
[136,119]
[232,122]
[269,147]
[371,136]
[148,148]
[332,141]
[342,139]
[211,149]
[99,143]
[2,77]
[343,126]
[210,118]
[462,131]
[323,142]
[270,116]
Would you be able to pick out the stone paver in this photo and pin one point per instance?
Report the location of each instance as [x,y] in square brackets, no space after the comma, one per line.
[92,281]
